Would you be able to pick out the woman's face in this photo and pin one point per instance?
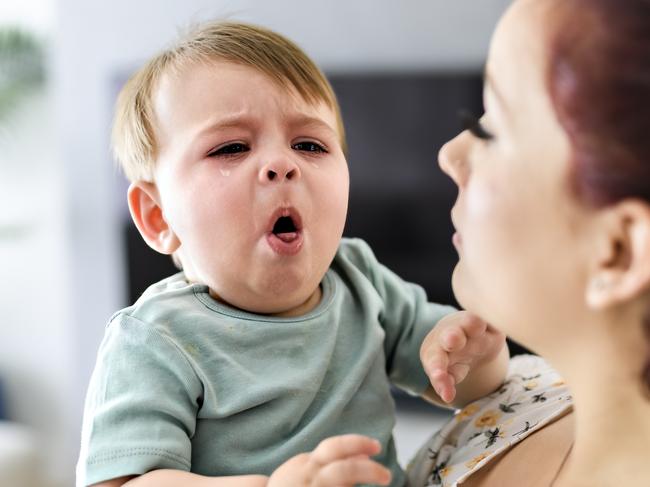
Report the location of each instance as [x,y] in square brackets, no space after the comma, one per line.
[521,235]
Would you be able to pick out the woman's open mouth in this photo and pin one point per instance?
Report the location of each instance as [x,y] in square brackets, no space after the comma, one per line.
[285,235]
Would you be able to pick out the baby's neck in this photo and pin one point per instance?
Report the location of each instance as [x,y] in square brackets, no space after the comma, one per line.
[303,308]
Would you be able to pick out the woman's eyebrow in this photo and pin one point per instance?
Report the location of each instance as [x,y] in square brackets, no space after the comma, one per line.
[490,83]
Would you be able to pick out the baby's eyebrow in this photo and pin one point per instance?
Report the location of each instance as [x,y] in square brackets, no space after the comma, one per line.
[308,121]
[299,121]
[231,121]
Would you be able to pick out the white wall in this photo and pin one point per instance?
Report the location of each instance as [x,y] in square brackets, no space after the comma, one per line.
[36,343]
[80,279]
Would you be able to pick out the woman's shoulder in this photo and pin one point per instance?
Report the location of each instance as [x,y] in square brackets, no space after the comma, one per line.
[534,461]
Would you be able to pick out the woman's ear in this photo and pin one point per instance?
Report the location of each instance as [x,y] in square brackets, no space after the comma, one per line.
[147,214]
[622,270]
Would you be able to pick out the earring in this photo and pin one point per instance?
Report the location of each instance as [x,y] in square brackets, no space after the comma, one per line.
[599,283]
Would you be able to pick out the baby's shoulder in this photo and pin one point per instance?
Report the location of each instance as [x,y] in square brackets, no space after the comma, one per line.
[355,253]
[165,304]
[355,249]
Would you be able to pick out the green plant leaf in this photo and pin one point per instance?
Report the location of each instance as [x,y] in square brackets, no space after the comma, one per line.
[21,66]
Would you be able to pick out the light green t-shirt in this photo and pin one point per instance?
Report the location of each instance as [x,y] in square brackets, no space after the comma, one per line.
[185,382]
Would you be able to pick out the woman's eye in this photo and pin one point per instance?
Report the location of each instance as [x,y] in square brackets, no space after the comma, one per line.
[229,150]
[309,147]
[472,123]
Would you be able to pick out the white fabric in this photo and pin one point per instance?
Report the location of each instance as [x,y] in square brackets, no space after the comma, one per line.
[532,396]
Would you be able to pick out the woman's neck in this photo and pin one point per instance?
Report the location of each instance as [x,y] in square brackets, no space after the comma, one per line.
[612,440]
[612,437]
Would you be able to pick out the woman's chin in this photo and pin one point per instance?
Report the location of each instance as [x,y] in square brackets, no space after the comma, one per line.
[458,286]
[465,292]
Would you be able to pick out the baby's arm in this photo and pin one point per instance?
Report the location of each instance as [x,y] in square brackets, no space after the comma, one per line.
[465,359]
[340,460]
[168,478]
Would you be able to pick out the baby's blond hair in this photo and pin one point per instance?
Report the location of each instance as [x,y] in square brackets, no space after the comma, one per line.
[133,138]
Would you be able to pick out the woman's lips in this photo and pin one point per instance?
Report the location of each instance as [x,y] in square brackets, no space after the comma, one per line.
[457,240]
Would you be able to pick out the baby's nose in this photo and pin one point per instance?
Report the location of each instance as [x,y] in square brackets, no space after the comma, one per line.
[279,171]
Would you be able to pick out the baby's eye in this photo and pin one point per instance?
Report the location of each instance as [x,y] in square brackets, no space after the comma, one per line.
[309,147]
[229,149]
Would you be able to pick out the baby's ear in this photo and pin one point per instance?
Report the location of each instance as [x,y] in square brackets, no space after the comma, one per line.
[622,271]
[147,214]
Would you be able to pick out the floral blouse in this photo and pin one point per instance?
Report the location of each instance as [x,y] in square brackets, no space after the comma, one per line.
[532,396]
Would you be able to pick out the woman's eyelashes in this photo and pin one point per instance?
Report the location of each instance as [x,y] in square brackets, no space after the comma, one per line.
[473,123]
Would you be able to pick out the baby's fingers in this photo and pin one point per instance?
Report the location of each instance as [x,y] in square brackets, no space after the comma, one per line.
[344,446]
[444,384]
[459,371]
[436,365]
[352,471]
[453,339]
[435,359]
[473,326]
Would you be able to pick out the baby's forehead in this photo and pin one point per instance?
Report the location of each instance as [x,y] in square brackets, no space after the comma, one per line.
[185,72]
[228,85]
[203,99]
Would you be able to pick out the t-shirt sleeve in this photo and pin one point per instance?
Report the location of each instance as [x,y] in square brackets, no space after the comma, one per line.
[407,317]
[141,405]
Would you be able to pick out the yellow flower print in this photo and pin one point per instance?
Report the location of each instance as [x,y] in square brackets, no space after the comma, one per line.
[488,418]
[530,385]
[559,383]
[476,460]
[468,411]
[446,471]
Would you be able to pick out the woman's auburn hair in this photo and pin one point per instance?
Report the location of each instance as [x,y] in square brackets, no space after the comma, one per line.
[598,77]
[599,81]
[133,136]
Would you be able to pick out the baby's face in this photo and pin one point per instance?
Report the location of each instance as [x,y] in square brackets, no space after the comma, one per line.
[252,181]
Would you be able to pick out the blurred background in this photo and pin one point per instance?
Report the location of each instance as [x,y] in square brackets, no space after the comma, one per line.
[69,255]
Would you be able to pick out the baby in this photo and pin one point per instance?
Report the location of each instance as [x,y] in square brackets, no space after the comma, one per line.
[268,360]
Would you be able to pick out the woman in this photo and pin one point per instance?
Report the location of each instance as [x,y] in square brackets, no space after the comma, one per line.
[553,235]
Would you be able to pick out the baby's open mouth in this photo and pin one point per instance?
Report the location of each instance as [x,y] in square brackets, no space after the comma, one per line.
[285,229]
[285,232]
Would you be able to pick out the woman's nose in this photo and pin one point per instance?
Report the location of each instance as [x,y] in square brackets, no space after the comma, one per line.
[279,170]
[452,159]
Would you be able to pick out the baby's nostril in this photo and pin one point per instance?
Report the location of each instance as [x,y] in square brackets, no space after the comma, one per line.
[271,175]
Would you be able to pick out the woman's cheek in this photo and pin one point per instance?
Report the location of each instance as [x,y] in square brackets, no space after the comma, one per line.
[482,220]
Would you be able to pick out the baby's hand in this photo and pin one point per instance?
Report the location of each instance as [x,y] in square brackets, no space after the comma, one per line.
[458,343]
[340,460]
